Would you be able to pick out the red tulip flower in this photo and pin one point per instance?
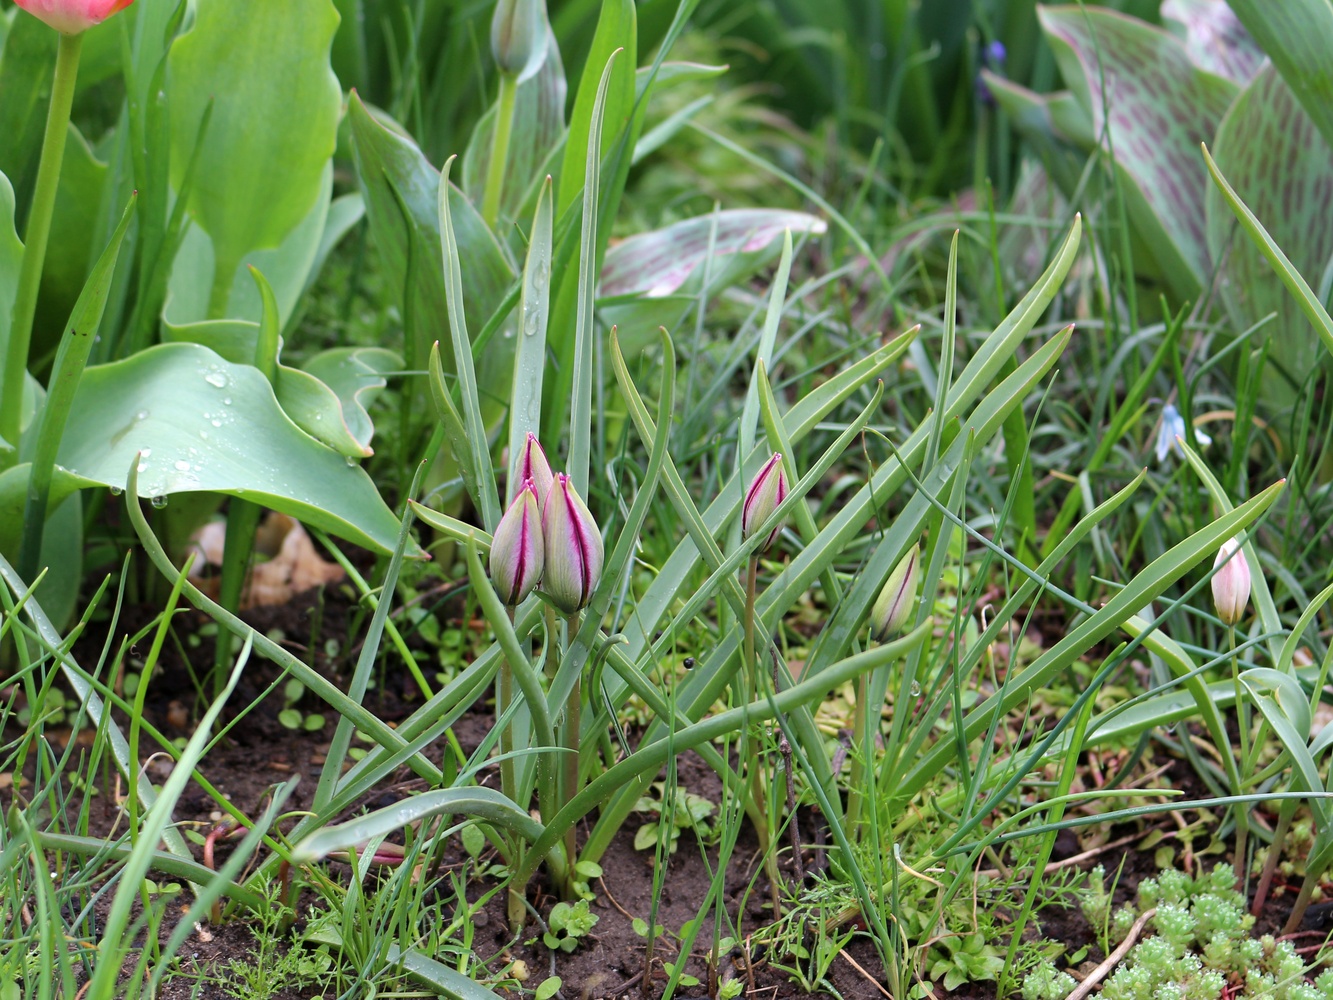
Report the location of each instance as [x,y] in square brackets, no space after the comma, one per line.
[73,16]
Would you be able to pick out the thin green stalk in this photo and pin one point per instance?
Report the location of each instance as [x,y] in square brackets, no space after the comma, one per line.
[753,680]
[495,171]
[1242,724]
[573,710]
[39,229]
[508,782]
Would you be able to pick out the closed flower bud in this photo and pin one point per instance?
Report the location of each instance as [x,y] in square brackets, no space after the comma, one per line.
[899,594]
[767,490]
[573,548]
[72,16]
[532,465]
[518,36]
[517,551]
[1231,582]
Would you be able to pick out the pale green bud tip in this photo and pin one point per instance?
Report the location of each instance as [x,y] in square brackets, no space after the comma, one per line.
[518,36]
[1231,582]
[899,594]
[574,551]
[517,551]
[767,490]
[532,464]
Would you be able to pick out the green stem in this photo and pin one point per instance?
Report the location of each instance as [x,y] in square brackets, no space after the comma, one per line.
[495,170]
[861,738]
[1243,725]
[753,676]
[39,228]
[573,711]
[508,782]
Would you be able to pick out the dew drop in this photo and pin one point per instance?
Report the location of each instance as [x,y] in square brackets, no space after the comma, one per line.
[217,423]
[217,379]
[159,502]
[144,453]
[182,465]
[350,460]
[116,491]
[916,689]
[141,415]
[226,401]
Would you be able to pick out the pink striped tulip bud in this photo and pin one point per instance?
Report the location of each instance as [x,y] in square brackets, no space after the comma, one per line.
[72,17]
[532,464]
[767,490]
[899,594]
[574,551]
[517,550]
[1231,582]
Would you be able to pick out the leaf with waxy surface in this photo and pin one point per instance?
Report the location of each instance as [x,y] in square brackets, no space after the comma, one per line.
[1158,106]
[264,67]
[1281,167]
[657,263]
[1214,38]
[201,423]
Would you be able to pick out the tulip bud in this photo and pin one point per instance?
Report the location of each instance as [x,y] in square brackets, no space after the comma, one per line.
[1231,582]
[517,551]
[532,465]
[768,489]
[573,548]
[899,594]
[518,37]
[72,16]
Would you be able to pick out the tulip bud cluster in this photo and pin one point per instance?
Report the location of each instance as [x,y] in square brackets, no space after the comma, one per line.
[547,537]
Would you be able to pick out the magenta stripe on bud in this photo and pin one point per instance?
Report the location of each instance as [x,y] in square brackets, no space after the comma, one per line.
[766,492]
[574,551]
[532,464]
[517,551]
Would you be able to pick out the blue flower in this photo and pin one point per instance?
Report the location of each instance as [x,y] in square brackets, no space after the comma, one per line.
[1173,427]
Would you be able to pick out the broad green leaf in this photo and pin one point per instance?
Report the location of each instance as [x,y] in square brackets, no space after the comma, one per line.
[62,541]
[1287,709]
[356,375]
[26,64]
[615,30]
[1298,287]
[275,103]
[1154,107]
[538,128]
[1280,166]
[1298,36]
[658,263]
[1214,38]
[200,423]
[402,203]
[438,977]
[289,268]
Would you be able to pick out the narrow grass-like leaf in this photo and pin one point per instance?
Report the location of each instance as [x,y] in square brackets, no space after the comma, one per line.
[469,397]
[525,399]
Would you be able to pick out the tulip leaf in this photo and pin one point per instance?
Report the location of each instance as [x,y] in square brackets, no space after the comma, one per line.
[1282,168]
[1286,708]
[28,57]
[356,375]
[11,260]
[1153,107]
[69,250]
[657,263]
[537,130]
[259,168]
[1214,38]
[1298,36]
[202,423]
[402,203]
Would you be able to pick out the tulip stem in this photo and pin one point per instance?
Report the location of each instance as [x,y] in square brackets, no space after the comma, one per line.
[34,252]
[508,781]
[1243,725]
[573,710]
[860,759]
[495,170]
[753,678]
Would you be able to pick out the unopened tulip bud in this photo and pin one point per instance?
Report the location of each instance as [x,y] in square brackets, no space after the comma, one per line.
[1231,582]
[517,551]
[767,490]
[899,594]
[573,548]
[518,37]
[532,465]
[72,16]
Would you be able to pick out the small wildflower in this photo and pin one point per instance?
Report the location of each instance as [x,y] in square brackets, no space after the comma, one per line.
[1231,582]
[766,492]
